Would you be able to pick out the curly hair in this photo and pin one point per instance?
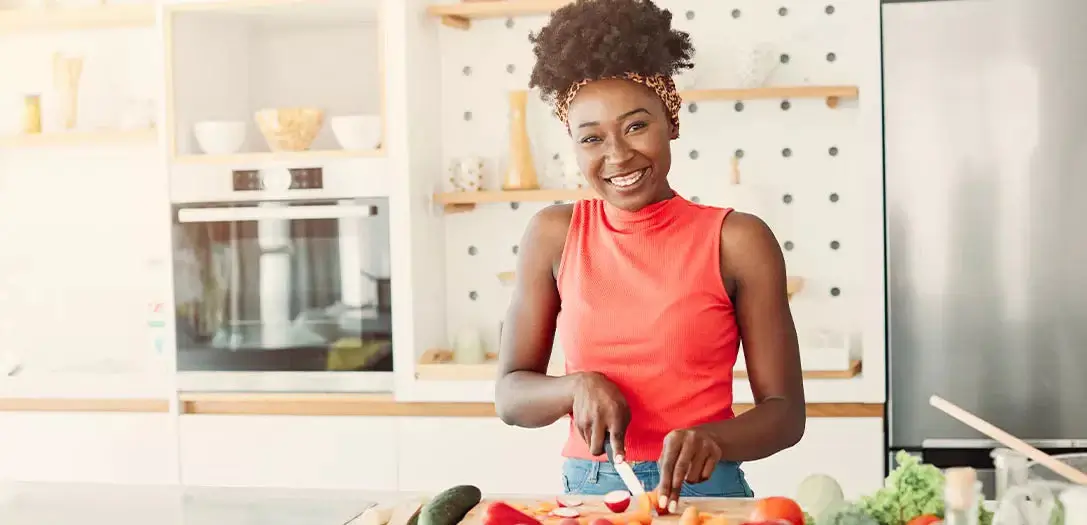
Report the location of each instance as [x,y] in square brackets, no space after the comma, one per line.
[594,39]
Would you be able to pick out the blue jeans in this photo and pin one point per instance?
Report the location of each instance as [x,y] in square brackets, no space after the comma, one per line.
[596,478]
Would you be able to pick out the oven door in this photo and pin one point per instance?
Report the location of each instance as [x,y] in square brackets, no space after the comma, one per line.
[283,296]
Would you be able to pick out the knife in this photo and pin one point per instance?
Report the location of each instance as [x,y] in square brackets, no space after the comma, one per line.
[634,485]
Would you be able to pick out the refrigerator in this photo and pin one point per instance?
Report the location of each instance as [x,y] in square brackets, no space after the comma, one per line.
[985,115]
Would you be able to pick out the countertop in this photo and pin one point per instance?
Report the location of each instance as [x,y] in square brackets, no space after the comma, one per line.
[91,504]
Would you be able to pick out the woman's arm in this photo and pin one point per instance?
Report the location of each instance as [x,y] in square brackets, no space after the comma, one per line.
[752,258]
[524,395]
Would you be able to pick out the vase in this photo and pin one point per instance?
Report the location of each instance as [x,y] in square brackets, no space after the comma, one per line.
[66,74]
[521,173]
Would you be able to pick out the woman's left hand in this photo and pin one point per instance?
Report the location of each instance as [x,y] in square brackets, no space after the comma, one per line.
[689,455]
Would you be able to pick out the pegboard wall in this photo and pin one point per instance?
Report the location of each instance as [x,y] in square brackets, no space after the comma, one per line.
[813,173]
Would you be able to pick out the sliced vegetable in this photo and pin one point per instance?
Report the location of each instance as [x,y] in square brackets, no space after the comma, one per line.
[378,515]
[565,512]
[777,508]
[617,500]
[569,521]
[927,519]
[450,506]
[601,521]
[567,502]
[690,516]
[500,513]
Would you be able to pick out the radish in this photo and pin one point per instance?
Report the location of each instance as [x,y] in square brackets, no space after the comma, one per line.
[565,512]
[570,521]
[617,500]
[567,502]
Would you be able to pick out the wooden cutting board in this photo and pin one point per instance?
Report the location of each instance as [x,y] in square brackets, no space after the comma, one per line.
[735,510]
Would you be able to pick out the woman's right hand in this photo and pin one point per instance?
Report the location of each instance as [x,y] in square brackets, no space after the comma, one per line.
[600,413]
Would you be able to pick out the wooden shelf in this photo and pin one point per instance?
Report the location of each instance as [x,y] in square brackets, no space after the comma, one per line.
[78,138]
[285,156]
[49,404]
[467,200]
[385,405]
[437,365]
[459,15]
[74,18]
[832,94]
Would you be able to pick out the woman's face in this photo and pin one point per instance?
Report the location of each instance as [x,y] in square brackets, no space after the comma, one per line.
[622,133]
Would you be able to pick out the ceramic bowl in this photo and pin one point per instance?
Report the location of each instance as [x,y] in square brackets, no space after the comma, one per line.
[290,129]
[357,132]
[220,137]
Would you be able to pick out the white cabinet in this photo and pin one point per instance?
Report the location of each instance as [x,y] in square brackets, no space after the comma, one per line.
[306,452]
[847,449]
[88,447]
[437,453]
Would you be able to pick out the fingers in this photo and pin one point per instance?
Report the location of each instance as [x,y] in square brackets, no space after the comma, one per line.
[596,441]
[711,464]
[618,430]
[684,461]
[698,465]
[667,465]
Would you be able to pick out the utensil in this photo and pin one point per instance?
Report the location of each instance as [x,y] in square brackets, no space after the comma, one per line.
[1008,440]
[634,485]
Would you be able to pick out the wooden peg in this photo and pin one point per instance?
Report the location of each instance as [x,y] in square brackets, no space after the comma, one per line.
[735,169]
[832,102]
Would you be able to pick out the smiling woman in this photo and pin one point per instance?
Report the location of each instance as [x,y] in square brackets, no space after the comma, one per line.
[648,292]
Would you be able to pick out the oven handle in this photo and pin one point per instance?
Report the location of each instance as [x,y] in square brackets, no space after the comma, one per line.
[191,215]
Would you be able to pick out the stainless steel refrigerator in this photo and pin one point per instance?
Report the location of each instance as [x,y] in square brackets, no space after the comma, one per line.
[986,216]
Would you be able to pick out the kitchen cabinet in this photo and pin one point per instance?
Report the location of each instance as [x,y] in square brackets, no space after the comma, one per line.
[88,447]
[436,453]
[289,451]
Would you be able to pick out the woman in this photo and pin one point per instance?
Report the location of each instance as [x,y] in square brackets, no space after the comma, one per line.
[649,293]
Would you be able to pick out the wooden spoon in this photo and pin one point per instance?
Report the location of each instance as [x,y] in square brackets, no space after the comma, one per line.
[1008,440]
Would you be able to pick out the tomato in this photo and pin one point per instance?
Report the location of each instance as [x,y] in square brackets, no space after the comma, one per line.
[777,508]
[927,519]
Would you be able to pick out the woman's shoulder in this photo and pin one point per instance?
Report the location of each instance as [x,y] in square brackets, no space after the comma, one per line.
[548,227]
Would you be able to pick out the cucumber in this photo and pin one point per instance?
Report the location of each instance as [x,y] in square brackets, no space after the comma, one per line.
[450,506]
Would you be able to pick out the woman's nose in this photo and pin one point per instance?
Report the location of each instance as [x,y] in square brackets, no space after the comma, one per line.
[618,151]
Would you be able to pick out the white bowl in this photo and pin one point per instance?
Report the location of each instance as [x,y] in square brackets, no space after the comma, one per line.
[220,137]
[357,132]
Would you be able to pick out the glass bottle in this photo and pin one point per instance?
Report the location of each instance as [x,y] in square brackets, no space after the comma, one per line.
[962,496]
[32,114]
[1012,469]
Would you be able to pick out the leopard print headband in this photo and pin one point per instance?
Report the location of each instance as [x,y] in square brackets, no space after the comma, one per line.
[662,85]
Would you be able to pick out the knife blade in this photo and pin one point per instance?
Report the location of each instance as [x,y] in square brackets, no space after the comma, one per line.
[626,473]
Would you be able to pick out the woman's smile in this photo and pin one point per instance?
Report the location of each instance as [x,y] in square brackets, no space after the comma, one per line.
[630,180]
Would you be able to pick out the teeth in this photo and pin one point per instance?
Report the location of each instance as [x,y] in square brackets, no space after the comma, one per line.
[627,180]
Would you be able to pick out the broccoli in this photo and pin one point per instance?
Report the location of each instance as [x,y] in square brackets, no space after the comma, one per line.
[847,515]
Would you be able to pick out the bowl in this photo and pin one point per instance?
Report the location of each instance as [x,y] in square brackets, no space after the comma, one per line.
[357,132]
[219,137]
[289,129]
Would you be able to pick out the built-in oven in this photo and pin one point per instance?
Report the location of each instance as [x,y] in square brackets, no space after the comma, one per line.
[283,291]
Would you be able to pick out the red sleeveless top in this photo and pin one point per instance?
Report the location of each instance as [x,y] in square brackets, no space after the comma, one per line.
[643,303]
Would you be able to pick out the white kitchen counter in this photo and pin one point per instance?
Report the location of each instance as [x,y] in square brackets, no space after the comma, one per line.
[90,504]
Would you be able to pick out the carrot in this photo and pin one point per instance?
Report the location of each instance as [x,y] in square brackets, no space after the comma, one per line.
[690,516]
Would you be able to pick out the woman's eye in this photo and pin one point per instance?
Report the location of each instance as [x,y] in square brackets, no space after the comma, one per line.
[589,139]
[636,126]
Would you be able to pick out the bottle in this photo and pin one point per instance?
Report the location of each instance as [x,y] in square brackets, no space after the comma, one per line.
[32,114]
[962,496]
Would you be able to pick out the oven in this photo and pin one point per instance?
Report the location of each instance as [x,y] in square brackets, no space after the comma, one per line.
[283,291]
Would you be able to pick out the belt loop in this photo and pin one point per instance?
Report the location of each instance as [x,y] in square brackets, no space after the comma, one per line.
[594,472]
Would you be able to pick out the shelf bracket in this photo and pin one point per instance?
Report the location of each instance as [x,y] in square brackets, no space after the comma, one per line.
[832,102]
[456,22]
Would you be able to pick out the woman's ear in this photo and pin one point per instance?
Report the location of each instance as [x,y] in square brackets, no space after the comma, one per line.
[674,131]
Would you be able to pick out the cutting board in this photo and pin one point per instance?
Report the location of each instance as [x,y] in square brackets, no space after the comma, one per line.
[735,510]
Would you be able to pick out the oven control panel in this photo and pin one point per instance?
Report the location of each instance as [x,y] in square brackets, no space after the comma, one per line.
[278,179]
